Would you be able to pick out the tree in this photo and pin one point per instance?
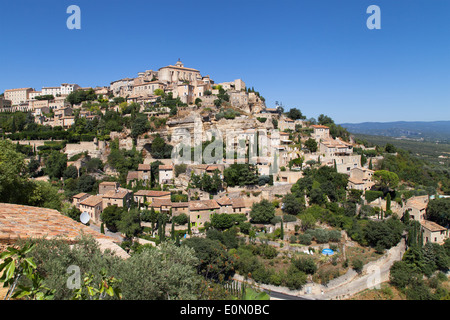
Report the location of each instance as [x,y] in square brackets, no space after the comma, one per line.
[107,286]
[438,210]
[85,183]
[324,120]
[13,174]
[311,144]
[401,274]
[357,265]
[180,168]
[55,164]
[222,221]
[388,202]
[215,262]
[140,125]
[390,148]
[384,234]
[168,273]
[292,205]
[308,221]
[111,216]
[295,114]
[307,265]
[262,212]
[386,180]
[44,195]
[16,265]
[159,148]
[180,219]
[282,230]
[70,172]
[130,223]
[240,175]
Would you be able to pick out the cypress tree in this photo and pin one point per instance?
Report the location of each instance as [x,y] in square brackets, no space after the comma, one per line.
[173,231]
[102,228]
[282,230]
[388,202]
[189,226]
[370,165]
[177,241]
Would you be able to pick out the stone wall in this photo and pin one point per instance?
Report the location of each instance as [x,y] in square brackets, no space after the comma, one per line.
[95,149]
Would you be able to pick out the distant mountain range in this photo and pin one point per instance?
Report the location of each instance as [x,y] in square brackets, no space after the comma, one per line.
[413,130]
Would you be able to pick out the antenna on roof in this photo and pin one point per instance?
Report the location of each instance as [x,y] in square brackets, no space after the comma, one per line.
[85,217]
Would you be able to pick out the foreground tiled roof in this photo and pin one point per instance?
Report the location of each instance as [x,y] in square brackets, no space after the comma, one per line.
[17,221]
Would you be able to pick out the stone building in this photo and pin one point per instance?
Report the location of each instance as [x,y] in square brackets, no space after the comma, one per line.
[150,196]
[178,72]
[93,205]
[433,232]
[201,211]
[18,96]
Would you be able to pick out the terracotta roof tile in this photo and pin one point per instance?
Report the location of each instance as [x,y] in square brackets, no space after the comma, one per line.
[152,193]
[432,226]
[18,221]
[203,205]
[92,201]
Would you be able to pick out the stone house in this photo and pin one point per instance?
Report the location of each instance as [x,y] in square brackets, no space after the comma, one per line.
[286,124]
[320,132]
[150,196]
[360,179]
[226,205]
[120,197]
[179,208]
[200,211]
[165,174]
[433,232]
[106,186]
[93,205]
[162,205]
[417,207]
[78,198]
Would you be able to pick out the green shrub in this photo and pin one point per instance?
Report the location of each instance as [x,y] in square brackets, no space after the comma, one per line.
[305,238]
[372,195]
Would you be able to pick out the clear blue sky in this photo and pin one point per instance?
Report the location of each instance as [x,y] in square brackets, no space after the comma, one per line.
[318,56]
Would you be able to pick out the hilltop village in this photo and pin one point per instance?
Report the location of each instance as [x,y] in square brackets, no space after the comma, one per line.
[172,154]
